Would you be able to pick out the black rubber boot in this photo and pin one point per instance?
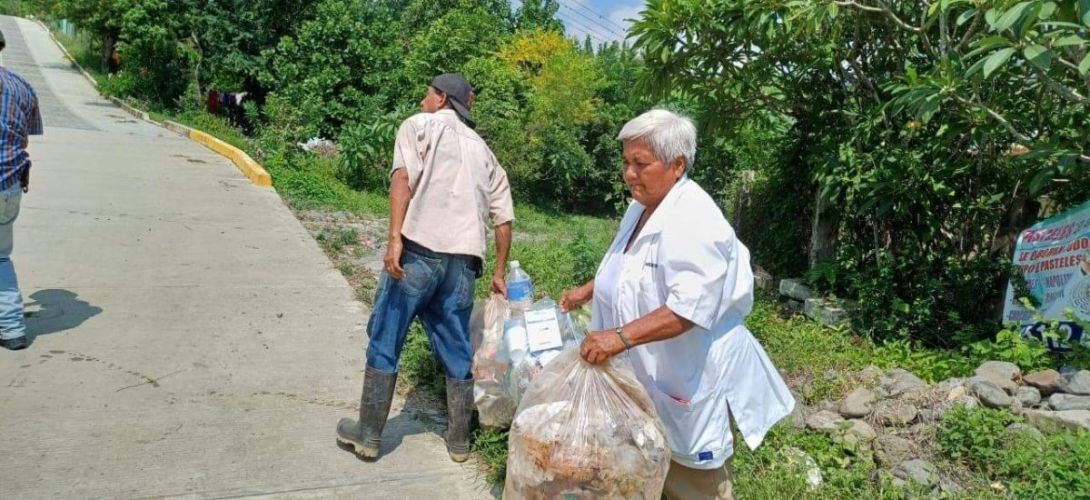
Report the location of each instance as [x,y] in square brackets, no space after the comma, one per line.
[365,435]
[459,418]
[14,344]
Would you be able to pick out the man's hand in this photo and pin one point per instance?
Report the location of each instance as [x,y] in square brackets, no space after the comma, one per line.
[600,346]
[576,298]
[24,178]
[393,259]
[499,282]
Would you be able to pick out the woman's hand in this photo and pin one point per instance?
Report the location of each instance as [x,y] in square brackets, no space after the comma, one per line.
[577,297]
[600,346]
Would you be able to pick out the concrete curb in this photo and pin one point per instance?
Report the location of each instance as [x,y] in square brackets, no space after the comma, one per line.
[250,168]
[130,109]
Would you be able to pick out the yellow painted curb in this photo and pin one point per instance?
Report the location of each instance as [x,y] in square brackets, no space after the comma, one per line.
[250,168]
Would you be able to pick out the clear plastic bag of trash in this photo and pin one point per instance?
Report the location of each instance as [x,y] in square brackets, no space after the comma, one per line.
[586,431]
[525,362]
[490,368]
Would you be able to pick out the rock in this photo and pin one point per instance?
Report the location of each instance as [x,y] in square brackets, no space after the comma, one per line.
[896,413]
[1062,402]
[966,401]
[989,393]
[918,471]
[950,384]
[858,403]
[1079,383]
[891,450]
[798,459]
[1001,373]
[858,432]
[1028,396]
[827,405]
[1050,421]
[957,393]
[795,289]
[870,375]
[762,279]
[824,311]
[930,416]
[950,487]
[1020,428]
[825,421]
[793,306]
[798,414]
[898,382]
[1047,381]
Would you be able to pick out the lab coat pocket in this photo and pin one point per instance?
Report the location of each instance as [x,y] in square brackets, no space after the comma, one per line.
[699,430]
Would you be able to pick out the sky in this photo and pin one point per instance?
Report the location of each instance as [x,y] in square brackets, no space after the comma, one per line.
[603,20]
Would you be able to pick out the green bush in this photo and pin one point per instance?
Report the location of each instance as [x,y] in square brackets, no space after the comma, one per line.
[974,436]
[337,69]
[1050,467]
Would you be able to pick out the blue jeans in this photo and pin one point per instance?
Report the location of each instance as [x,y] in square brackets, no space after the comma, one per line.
[438,288]
[12,324]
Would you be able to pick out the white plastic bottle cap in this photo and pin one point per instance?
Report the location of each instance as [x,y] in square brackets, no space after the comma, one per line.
[514,264]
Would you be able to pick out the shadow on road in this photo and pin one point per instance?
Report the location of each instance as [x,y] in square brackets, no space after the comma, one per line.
[56,310]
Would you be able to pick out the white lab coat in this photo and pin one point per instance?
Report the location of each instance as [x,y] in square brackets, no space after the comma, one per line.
[688,259]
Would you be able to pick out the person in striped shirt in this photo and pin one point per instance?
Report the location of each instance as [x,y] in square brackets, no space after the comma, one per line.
[19,119]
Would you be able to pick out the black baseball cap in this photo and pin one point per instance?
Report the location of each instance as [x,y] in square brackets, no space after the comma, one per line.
[458,92]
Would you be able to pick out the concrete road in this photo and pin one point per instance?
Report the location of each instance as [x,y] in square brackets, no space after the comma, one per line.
[190,339]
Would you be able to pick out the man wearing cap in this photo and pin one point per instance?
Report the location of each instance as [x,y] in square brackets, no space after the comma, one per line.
[19,118]
[446,190]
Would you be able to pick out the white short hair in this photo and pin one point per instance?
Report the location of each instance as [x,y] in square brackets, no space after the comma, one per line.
[670,135]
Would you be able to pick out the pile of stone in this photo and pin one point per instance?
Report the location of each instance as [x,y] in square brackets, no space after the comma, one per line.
[892,412]
[825,310]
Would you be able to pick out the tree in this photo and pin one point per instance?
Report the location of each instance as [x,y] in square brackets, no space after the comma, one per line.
[102,17]
[336,69]
[539,15]
[907,119]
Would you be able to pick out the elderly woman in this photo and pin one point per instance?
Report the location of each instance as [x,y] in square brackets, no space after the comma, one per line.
[673,291]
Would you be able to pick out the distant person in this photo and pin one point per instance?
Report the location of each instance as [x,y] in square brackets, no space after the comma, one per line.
[446,191]
[19,118]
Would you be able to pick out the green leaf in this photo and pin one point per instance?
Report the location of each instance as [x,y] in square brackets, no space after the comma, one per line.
[975,68]
[1011,16]
[996,60]
[1084,11]
[967,16]
[1069,40]
[991,16]
[1038,55]
[1041,180]
[1084,66]
[834,9]
[1047,10]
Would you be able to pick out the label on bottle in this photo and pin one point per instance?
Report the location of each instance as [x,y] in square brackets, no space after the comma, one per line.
[543,330]
[519,291]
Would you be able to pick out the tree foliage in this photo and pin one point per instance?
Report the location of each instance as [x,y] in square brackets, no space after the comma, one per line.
[912,119]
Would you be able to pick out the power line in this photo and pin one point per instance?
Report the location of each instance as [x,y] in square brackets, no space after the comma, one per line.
[597,14]
[600,38]
[591,19]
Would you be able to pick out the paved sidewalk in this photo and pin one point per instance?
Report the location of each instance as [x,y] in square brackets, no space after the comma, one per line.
[190,338]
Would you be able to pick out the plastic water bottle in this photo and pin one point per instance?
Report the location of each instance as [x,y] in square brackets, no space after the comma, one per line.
[520,290]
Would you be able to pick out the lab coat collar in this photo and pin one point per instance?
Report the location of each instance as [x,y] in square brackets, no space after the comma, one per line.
[661,217]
